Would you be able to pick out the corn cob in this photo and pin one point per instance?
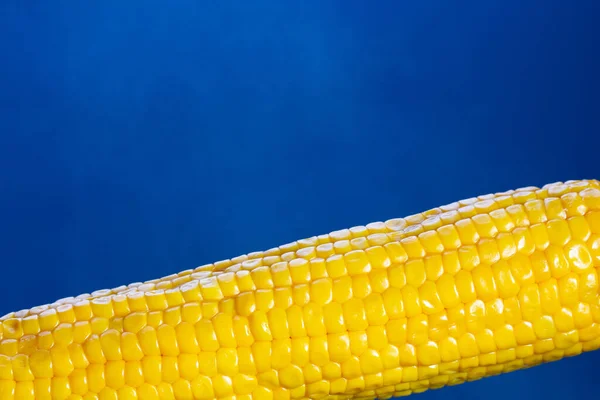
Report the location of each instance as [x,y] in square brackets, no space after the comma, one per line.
[476,288]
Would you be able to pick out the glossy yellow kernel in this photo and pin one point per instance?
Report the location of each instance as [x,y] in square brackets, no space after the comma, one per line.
[313,318]
[277,321]
[468,257]
[96,377]
[565,340]
[343,246]
[475,316]
[241,330]
[467,231]
[589,336]
[296,321]
[428,353]
[148,341]
[48,320]
[396,252]
[170,369]
[355,316]
[99,325]
[573,204]
[549,296]
[540,267]
[411,301]
[20,368]
[447,291]
[524,333]
[280,274]
[186,338]
[579,228]
[134,322]
[102,307]
[591,197]
[379,280]
[449,237]
[568,289]
[63,334]
[417,329]
[501,219]
[542,346]
[115,374]
[558,232]
[544,327]
[262,277]
[361,286]
[318,353]
[578,255]
[336,267]
[505,337]
[465,286]
[524,240]
[529,299]
[30,325]
[282,297]
[133,373]
[62,365]
[540,236]
[191,312]
[554,208]
[535,210]
[259,326]
[228,284]
[589,284]
[488,360]
[582,316]
[413,247]
[378,257]
[299,270]
[495,314]
[167,340]
[522,196]
[375,310]
[467,345]
[507,246]
[521,269]
[483,280]
[518,215]
[593,220]
[431,242]
[415,272]
[484,225]
[66,313]
[448,348]
[210,289]
[244,281]
[429,298]
[318,268]
[370,362]
[397,276]
[504,279]
[359,342]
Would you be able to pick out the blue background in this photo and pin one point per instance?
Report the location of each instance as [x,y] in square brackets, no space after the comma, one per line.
[138,139]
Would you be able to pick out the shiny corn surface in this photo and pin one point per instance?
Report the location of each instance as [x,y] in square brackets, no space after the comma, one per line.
[472,289]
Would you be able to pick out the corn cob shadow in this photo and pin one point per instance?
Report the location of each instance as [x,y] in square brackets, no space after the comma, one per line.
[473,289]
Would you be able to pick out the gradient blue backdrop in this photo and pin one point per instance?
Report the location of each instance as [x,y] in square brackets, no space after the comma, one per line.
[143,138]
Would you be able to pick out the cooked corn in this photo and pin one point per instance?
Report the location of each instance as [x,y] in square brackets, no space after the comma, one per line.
[472,289]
